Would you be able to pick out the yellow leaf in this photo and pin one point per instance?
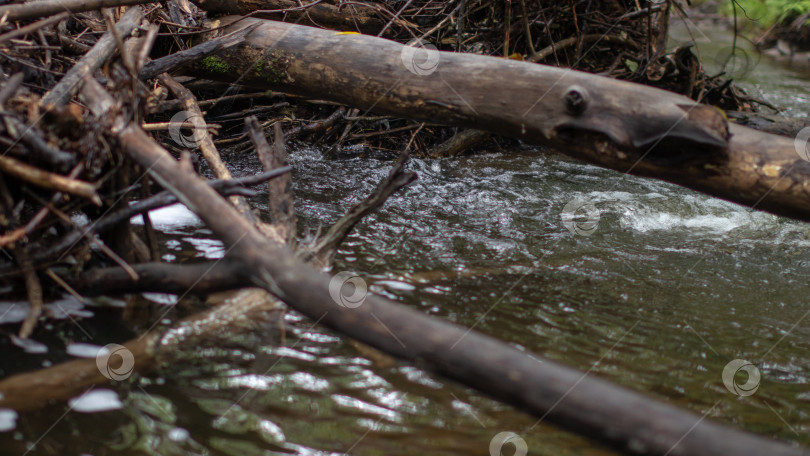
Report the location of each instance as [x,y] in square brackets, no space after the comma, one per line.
[515,56]
[347,33]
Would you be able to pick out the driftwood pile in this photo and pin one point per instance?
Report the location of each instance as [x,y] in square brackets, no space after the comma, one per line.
[90,94]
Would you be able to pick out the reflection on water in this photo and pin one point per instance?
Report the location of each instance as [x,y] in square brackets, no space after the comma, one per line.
[668,289]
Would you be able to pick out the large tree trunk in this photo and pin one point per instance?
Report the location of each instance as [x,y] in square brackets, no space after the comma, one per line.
[619,125]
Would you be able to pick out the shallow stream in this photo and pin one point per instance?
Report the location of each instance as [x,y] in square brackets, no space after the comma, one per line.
[670,287]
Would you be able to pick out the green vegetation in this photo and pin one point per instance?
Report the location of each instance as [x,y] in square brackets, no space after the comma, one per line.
[768,12]
[216,65]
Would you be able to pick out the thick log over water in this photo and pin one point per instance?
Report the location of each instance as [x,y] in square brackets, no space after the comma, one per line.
[619,125]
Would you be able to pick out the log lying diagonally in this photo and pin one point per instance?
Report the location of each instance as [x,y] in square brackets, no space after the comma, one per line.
[619,125]
[560,394]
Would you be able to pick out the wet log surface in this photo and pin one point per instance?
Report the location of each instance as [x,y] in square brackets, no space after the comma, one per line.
[618,125]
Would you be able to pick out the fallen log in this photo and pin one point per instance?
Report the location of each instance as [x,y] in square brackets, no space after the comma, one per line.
[554,392]
[31,10]
[352,16]
[619,125]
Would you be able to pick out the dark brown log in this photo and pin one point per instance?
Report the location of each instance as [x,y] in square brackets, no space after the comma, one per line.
[197,279]
[619,125]
[31,10]
[352,16]
[557,393]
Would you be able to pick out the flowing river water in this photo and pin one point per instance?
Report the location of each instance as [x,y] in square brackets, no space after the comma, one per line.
[669,288]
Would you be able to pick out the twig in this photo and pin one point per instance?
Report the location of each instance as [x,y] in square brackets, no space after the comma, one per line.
[29,227]
[40,150]
[553,48]
[10,87]
[49,180]
[59,281]
[203,138]
[326,246]
[34,290]
[33,27]
[92,61]
[281,205]
[529,41]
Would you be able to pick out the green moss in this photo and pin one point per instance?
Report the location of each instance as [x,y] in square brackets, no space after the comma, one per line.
[767,12]
[271,67]
[217,65]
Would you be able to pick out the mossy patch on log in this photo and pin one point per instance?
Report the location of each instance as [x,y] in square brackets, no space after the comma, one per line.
[272,67]
[217,65]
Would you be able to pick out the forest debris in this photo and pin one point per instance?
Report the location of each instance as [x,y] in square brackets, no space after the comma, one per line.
[351,16]
[101,148]
[33,290]
[34,26]
[458,143]
[62,92]
[281,206]
[32,10]
[49,180]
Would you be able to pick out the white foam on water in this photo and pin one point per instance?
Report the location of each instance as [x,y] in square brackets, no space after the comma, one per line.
[29,345]
[161,298]
[8,420]
[82,350]
[653,211]
[170,218]
[98,400]
[211,249]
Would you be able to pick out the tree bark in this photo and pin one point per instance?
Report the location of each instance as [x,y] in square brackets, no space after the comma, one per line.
[353,16]
[618,125]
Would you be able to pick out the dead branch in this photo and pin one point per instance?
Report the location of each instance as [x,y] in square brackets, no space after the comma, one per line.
[62,92]
[460,142]
[281,205]
[324,249]
[32,10]
[49,180]
[33,27]
[353,16]
[33,290]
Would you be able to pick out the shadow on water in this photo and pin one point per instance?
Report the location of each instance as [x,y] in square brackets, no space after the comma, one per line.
[668,288]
